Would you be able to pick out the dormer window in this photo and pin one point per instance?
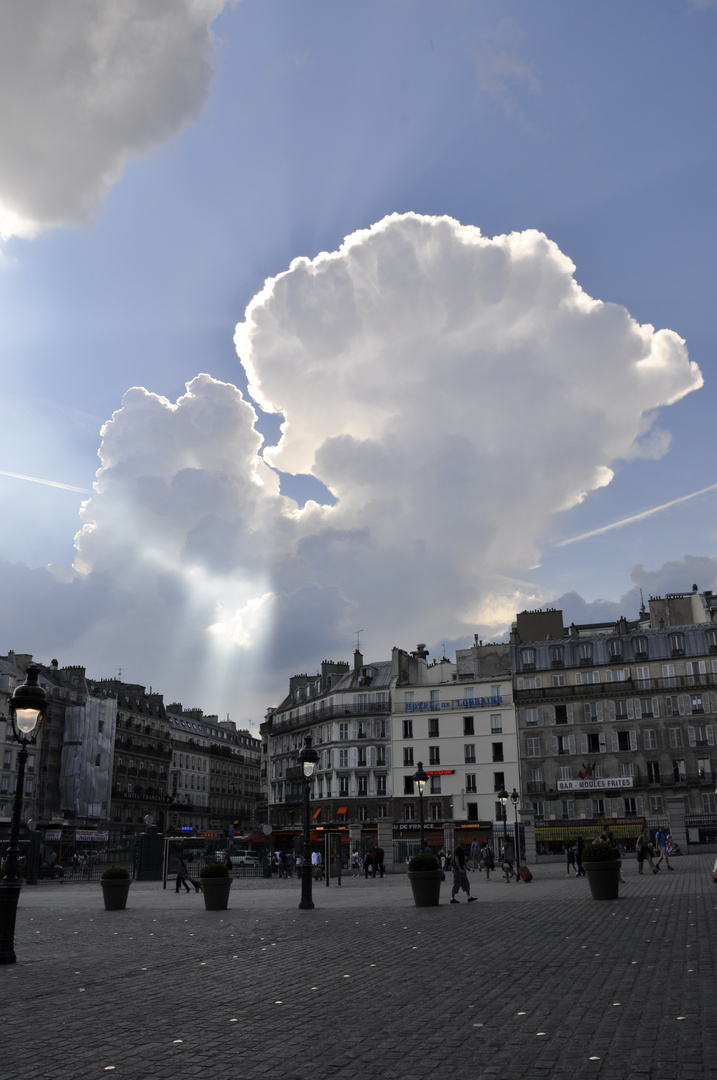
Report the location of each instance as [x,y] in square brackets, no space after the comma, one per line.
[677,644]
[556,656]
[585,653]
[640,647]
[528,659]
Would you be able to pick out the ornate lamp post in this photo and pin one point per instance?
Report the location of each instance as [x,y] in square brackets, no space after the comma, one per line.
[421,778]
[308,758]
[515,799]
[503,799]
[27,709]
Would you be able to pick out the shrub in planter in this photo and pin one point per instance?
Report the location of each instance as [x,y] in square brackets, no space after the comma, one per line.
[425,875]
[423,862]
[216,884]
[600,852]
[115,873]
[115,883]
[214,870]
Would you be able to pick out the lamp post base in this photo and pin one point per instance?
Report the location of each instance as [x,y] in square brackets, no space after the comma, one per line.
[306,902]
[9,895]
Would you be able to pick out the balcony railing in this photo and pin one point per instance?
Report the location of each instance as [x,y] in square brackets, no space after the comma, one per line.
[614,689]
[329,712]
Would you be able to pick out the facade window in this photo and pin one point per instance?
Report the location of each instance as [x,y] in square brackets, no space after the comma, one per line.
[380,755]
[630,807]
[435,785]
[408,785]
[7,759]
[433,727]
[639,644]
[434,755]
[363,786]
[675,738]
[563,744]
[343,787]
[362,757]
[381,785]
[531,717]
[598,807]
[704,768]
[496,692]
[653,772]
[408,755]
[468,725]
[28,787]
[532,747]
[655,804]
[556,656]
[558,680]
[471,782]
[409,812]
[497,751]
[646,706]
[709,804]
[672,706]
[561,714]
[614,649]
[585,653]
[343,732]
[677,644]
[436,811]
[649,738]
[381,811]
[408,729]
[496,723]
[362,813]
[435,698]
[343,759]
[469,753]
[472,809]
[623,740]
[679,772]
[361,733]
[408,697]
[498,781]
[697,706]
[668,675]
[528,658]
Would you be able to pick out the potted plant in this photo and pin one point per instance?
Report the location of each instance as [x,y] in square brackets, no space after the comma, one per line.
[115,884]
[424,873]
[216,884]
[602,866]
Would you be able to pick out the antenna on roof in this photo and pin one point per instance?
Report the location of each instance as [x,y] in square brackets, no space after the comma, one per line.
[358,640]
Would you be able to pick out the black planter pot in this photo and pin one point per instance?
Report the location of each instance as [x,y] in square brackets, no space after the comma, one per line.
[426,887]
[115,892]
[604,878]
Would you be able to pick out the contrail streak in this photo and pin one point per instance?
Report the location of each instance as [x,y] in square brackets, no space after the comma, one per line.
[49,483]
[635,517]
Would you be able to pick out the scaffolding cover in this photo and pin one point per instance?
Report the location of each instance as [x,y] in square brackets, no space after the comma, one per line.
[87,750]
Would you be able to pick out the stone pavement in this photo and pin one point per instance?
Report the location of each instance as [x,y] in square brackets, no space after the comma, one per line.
[532,981]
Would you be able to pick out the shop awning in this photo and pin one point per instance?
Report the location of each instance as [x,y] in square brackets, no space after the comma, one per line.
[316,813]
[342,810]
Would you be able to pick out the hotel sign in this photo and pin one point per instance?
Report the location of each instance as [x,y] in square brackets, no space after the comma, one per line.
[600,783]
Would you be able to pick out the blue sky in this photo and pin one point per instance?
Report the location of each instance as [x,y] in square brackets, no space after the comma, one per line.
[592,124]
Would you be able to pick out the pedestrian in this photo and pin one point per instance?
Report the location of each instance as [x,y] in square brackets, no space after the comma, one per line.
[355,864]
[378,857]
[183,876]
[475,855]
[460,877]
[368,862]
[610,839]
[661,850]
[570,855]
[228,862]
[580,848]
[486,858]
[508,860]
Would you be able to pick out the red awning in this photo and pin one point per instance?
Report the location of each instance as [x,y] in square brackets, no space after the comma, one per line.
[316,814]
[342,810]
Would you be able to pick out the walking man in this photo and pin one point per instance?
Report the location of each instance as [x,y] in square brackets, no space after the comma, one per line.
[183,876]
[460,877]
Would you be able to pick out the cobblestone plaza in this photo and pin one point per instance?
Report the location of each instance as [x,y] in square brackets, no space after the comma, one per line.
[533,981]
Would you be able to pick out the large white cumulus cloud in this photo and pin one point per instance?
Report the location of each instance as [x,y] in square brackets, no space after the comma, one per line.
[453,391]
[86,86]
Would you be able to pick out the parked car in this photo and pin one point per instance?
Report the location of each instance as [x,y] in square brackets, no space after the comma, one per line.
[244,858]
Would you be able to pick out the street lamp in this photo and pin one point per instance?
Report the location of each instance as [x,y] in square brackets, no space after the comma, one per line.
[503,797]
[421,778]
[308,758]
[27,709]
[515,799]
